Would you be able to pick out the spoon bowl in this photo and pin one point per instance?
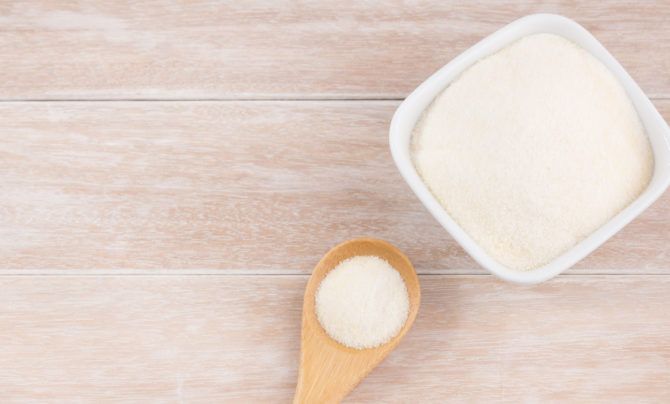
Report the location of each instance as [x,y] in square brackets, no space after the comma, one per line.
[328,369]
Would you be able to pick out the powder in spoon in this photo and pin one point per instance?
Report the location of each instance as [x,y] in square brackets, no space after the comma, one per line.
[362,302]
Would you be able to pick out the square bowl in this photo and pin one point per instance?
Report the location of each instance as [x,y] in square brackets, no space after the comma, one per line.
[410,110]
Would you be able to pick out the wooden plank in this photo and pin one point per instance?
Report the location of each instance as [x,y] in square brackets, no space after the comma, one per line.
[236,339]
[229,185]
[345,49]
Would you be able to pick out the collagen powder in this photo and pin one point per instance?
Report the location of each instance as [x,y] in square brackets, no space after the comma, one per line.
[532,149]
[362,302]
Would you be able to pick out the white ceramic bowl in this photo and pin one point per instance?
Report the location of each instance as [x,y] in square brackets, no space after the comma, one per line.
[409,112]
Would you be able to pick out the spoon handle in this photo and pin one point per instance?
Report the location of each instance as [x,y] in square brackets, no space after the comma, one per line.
[328,371]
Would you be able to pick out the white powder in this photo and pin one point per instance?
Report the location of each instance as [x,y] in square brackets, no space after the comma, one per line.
[532,149]
[362,302]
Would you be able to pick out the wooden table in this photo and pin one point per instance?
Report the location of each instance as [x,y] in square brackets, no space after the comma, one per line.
[170,173]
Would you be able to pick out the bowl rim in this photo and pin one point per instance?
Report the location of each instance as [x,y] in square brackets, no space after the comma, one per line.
[410,110]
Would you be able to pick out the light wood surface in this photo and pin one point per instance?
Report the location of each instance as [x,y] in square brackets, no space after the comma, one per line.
[155,244]
[232,186]
[284,49]
[328,370]
[196,339]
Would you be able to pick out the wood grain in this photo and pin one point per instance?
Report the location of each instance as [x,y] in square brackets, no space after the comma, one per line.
[229,186]
[283,49]
[236,339]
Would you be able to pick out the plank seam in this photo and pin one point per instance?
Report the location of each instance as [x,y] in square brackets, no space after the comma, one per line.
[234,273]
[232,99]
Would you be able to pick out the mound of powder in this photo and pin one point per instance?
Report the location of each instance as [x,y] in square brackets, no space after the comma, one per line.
[532,149]
[362,302]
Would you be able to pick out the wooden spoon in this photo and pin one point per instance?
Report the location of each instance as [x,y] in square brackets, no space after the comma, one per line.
[328,369]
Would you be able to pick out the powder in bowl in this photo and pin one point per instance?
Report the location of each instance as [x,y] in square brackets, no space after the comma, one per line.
[532,149]
[362,302]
